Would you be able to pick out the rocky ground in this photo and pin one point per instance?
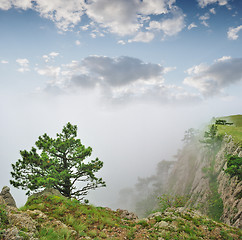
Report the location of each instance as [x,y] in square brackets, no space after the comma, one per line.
[48,216]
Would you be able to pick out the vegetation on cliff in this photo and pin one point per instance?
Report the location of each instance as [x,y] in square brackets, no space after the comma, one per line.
[59,218]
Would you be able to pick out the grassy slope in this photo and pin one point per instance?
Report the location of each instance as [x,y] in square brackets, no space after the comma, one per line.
[234,130]
[98,223]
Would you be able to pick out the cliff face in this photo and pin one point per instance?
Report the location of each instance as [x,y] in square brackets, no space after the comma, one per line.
[201,177]
[230,189]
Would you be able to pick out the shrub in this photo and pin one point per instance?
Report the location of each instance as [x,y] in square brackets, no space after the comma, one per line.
[234,166]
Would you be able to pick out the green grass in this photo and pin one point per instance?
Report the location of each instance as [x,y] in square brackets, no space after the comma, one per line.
[234,130]
[98,223]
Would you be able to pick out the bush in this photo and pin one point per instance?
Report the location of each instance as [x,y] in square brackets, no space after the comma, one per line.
[234,166]
[169,200]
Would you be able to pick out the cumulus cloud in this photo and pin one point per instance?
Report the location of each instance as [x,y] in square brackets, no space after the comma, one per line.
[118,16]
[121,17]
[233,32]
[24,64]
[50,71]
[119,79]
[143,37]
[170,26]
[5,4]
[204,3]
[212,79]
[4,61]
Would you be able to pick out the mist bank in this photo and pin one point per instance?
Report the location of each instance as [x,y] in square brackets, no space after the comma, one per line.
[196,175]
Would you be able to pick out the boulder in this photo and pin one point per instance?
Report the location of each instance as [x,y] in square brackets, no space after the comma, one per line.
[8,198]
[46,192]
[126,214]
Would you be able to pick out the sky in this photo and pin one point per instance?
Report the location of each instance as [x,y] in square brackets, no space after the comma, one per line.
[133,75]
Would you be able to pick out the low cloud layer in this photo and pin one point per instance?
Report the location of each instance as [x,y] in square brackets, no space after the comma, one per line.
[119,79]
[213,79]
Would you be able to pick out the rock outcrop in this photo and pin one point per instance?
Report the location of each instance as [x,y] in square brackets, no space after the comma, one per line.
[190,176]
[8,198]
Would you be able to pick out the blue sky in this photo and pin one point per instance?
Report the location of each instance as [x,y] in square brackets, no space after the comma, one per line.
[129,73]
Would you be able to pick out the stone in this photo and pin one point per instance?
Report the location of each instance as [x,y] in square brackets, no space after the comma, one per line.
[2,202]
[126,214]
[46,192]
[8,198]
[22,221]
[161,224]
[12,234]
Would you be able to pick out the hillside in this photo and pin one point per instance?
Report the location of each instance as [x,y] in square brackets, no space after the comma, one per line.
[200,174]
[198,199]
[54,217]
[234,130]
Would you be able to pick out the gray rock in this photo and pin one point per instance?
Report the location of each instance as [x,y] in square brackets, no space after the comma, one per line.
[126,214]
[8,198]
[46,192]
[162,224]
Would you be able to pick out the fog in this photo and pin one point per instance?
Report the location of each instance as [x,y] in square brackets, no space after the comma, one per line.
[129,138]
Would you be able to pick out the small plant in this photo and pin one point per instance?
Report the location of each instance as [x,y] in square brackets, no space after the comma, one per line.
[143,223]
[234,166]
[3,217]
[169,200]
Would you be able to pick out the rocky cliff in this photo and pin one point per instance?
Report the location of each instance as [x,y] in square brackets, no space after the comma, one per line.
[201,176]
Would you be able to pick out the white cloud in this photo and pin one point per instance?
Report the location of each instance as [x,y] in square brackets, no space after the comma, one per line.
[143,37]
[77,42]
[119,79]
[24,4]
[233,32]
[121,17]
[192,25]
[224,58]
[212,10]
[5,4]
[50,57]
[170,27]
[24,64]
[85,27]
[204,18]
[155,7]
[50,71]
[204,3]
[122,42]
[66,14]
[54,54]
[212,79]
[4,61]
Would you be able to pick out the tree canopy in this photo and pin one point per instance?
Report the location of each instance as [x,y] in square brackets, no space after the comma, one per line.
[58,163]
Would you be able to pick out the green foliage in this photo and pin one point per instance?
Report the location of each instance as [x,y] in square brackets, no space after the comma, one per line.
[222,122]
[234,166]
[169,200]
[58,163]
[212,140]
[3,217]
[51,233]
